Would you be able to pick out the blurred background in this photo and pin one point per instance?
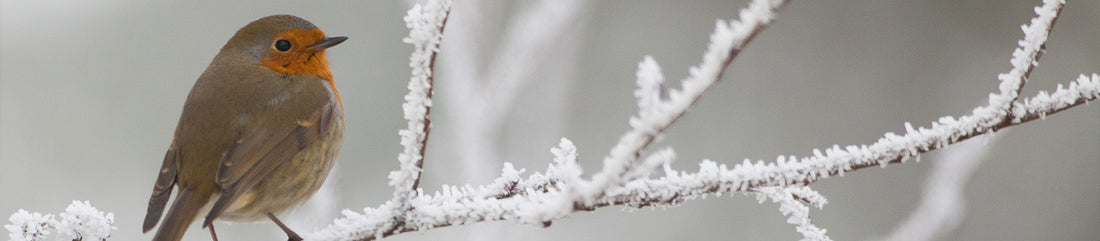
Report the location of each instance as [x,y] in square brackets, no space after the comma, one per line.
[90,92]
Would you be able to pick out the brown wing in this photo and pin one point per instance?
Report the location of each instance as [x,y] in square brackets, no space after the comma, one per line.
[261,148]
[162,189]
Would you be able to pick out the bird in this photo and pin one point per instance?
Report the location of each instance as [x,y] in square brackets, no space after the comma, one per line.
[258,133]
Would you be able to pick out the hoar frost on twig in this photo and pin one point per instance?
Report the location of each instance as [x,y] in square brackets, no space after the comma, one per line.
[790,204]
[425,32]
[80,221]
[542,197]
[425,25]
[624,180]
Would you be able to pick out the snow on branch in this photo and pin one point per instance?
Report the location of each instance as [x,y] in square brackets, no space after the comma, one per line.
[542,198]
[651,87]
[1027,55]
[625,178]
[655,115]
[790,204]
[80,221]
[426,24]
[425,32]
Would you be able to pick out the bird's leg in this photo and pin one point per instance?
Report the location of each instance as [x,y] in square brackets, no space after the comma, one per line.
[290,234]
[212,233]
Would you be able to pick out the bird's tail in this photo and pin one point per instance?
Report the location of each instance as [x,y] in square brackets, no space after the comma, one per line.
[179,218]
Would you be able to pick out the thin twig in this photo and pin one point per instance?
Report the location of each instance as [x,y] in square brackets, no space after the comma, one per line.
[525,200]
[657,124]
[428,109]
[1034,54]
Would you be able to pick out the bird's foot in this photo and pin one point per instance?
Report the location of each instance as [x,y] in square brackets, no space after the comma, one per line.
[290,234]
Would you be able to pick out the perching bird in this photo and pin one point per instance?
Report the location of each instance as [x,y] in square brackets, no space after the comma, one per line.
[258,133]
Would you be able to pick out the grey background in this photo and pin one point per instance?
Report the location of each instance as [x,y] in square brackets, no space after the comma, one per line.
[90,92]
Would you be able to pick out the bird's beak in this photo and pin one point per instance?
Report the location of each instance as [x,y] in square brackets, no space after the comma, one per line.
[328,42]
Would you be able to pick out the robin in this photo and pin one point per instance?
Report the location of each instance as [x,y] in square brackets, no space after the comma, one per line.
[258,133]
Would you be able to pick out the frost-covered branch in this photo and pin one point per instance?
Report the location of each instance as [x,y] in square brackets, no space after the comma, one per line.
[627,176]
[625,179]
[655,116]
[1027,55]
[80,221]
[1002,111]
[507,197]
[426,24]
[790,204]
[425,32]
[527,73]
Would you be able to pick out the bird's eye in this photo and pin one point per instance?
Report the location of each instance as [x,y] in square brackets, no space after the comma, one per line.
[282,45]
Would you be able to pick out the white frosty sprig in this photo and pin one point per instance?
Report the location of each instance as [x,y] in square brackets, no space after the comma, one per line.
[790,204]
[27,226]
[524,200]
[658,159]
[538,199]
[726,40]
[1085,89]
[1026,57]
[651,87]
[425,25]
[80,221]
[542,197]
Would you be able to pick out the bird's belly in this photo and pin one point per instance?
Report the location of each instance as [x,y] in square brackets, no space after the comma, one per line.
[290,184]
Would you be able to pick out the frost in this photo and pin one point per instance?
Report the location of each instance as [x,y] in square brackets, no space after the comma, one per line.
[1081,91]
[80,221]
[651,87]
[790,205]
[27,226]
[1027,55]
[425,32]
[625,178]
[425,25]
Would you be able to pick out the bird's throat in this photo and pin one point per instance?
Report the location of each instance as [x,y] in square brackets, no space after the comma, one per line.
[309,63]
